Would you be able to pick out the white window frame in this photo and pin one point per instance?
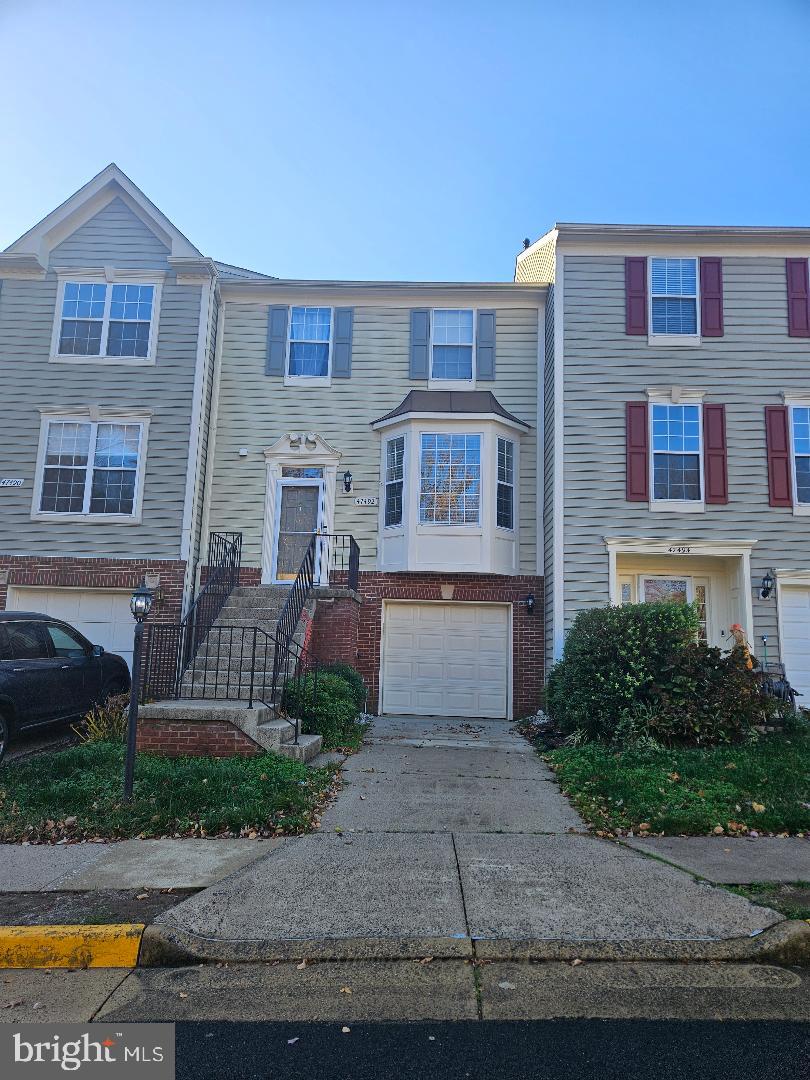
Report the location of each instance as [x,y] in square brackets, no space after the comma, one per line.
[799,509]
[386,443]
[309,380]
[453,525]
[676,506]
[499,439]
[108,278]
[673,339]
[94,420]
[454,384]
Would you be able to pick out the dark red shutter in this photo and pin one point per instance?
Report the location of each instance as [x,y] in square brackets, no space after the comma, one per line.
[711,297]
[635,296]
[715,455]
[798,298]
[638,452]
[780,489]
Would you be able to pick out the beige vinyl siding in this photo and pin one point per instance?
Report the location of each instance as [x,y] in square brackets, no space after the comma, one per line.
[30,382]
[547,477]
[746,369]
[115,236]
[255,411]
[205,430]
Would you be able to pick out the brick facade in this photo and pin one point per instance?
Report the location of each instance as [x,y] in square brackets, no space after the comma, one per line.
[180,738]
[335,630]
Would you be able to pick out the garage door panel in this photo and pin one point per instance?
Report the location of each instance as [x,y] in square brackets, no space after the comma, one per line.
[446,659]
[795,602]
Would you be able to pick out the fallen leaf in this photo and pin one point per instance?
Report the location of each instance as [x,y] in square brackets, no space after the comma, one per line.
[730,765]
[345,989]
[290,1042]
[345,1030]
[757,807]
[182,995]
[142,896]
[718,830]
[575,962]
[507,985]
[301,966]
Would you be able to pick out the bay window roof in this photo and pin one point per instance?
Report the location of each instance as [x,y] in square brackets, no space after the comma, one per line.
[451,403]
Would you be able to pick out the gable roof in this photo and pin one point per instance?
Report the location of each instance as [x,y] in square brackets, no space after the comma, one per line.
[229,272]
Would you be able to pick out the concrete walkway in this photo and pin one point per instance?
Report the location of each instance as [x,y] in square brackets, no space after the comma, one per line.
[453,839]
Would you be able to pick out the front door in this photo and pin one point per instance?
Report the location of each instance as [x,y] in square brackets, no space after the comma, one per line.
[299,514]
[679,590]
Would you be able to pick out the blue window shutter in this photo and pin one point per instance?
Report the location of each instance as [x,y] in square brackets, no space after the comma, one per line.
[276,340]
[485,346]
[342,343]
[420,343]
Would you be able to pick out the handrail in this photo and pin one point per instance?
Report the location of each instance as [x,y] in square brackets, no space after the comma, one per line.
[224,560]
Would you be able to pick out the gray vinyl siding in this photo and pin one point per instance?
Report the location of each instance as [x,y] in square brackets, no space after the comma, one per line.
[27,310]
[115,236]
[746,369]
[256,410]
[548,476]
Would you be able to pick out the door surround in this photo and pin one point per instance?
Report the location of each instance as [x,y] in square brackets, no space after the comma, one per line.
[299,449]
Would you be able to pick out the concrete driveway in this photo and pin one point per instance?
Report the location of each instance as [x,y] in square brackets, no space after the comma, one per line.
[452,838]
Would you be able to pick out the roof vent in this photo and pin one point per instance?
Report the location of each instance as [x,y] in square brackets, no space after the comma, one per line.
[526,243]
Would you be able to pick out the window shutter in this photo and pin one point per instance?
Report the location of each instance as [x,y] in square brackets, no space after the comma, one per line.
[485,346]
[420,343]
[638,452]
[777,437]
[715,455]
[711,297]
[342,344]
[276,340]
[798,298]
[635,296]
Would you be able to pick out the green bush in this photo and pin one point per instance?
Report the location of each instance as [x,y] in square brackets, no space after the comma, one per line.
[325,705]
[353,677]
[637,671]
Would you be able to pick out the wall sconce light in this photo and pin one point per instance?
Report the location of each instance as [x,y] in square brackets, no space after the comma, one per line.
[347,481]
[767,586]
[530,602]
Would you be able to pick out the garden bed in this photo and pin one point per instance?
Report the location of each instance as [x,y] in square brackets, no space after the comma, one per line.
[761,787]
[75,795]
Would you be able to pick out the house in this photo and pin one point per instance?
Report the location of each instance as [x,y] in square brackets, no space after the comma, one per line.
[107,330]
[677,427]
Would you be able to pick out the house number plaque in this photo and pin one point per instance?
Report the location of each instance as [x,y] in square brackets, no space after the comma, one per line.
[366,500]
[680,551]
[9,482]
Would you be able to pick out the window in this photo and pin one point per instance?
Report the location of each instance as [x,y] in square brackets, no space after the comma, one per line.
[452,345]
[104,320]
[676,444]
[302,472]
[394,478]
[28,641]
[65,643]
[450,480]
[801,452]
[673,292]
[505,512]
[310,337]
[90,468]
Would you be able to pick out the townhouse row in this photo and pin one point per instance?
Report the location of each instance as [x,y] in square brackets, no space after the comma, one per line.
[627,420]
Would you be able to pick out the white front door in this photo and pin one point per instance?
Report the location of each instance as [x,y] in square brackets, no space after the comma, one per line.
[654,588]
[446,659]
[795,603]
[299,514]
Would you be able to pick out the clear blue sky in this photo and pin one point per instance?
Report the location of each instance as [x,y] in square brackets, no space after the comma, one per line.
[423,140]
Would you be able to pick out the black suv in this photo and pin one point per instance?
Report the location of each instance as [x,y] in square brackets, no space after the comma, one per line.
[50,673]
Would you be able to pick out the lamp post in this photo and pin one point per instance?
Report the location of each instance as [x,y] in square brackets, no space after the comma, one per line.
[139,604]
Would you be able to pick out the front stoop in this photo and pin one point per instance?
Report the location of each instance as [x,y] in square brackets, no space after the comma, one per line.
[186,726]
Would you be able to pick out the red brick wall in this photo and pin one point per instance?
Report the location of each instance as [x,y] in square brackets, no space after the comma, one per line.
[98,574]
[335,630]
[182,738]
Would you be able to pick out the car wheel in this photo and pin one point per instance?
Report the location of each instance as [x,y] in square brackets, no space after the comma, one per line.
[4,735]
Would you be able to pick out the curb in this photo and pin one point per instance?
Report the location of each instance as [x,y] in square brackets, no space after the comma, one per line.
[786,942]
[112,945]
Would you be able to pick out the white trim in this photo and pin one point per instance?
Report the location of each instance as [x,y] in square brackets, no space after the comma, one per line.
[439,417]
[107,277]
[539,448]
[674,395]
[194,436]
[558,503]
[667,340]
[454,384]
[675,506]
[799,509]
[393,530]
[786,578]
[309,380]
[294,481]
[212,437]
[88,417]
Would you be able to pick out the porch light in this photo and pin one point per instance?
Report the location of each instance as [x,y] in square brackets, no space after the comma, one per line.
[530,602]
[347,481]
[767,586]
[140,602]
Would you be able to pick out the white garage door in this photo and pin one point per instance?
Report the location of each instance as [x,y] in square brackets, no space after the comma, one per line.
[102,615]
[795,601]
[446,659]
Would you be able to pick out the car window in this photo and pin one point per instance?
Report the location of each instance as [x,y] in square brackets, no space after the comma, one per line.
[28,641]
[65,642]
[5,648]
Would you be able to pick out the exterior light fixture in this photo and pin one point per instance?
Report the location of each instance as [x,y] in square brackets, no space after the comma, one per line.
[347,481]
[140,604]
[767,586]
[530,602]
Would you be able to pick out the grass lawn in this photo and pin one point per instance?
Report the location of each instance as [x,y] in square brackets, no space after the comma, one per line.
[76,793]
[763,787]
[791,899]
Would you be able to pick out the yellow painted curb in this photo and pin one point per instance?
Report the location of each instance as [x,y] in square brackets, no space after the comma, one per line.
[110,945]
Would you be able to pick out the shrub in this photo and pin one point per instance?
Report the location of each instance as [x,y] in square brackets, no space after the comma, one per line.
[325,706]
[353,677]
[611,659]
[106,722]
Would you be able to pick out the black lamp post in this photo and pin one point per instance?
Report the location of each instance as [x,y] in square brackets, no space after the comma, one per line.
[139,604]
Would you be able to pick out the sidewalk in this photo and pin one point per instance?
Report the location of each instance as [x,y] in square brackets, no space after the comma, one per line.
[452,839]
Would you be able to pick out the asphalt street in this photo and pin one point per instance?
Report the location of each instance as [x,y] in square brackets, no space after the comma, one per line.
[528,1050]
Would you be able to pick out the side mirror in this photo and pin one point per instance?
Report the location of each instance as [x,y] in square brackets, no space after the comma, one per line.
[98,650]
